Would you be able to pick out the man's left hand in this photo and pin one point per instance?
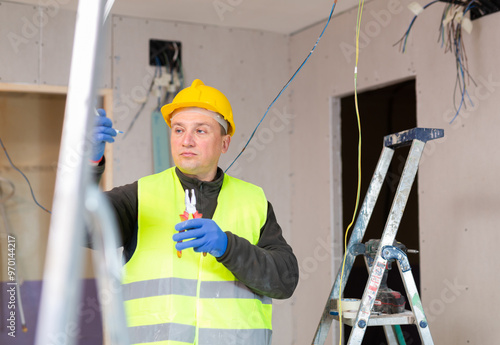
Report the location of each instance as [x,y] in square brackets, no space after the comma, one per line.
[205,235]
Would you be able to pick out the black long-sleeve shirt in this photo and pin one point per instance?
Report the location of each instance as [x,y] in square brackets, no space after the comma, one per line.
[269,268]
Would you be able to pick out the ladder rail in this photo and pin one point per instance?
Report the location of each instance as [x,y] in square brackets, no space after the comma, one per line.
[390,335]
[415,303]
[388,237]
[357,234]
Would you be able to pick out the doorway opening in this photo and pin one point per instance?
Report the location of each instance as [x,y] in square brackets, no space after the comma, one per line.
[383,111]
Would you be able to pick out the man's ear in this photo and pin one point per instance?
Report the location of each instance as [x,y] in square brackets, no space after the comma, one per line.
[226,140]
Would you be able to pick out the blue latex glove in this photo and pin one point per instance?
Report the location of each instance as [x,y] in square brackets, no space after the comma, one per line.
[103,132]
[205,234]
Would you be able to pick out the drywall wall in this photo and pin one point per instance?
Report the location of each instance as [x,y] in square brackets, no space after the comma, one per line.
[458,192]
[37,42]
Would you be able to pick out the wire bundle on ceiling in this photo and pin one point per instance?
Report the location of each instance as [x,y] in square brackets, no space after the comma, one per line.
[451,40]
[480,8]
[453,21]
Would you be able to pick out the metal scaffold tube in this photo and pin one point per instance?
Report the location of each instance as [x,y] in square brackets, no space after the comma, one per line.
[77,200]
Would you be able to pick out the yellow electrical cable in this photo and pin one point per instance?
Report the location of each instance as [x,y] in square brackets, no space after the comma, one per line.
[358,26]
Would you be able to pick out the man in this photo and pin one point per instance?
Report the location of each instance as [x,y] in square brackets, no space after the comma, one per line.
[174,292]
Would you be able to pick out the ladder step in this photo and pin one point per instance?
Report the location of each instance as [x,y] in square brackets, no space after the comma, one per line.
[406,137]
[405,318]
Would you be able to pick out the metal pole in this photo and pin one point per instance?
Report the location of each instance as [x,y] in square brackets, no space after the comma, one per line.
[61,287]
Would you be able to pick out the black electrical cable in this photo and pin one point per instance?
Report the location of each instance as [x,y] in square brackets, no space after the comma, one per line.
[27,180]
[142,105]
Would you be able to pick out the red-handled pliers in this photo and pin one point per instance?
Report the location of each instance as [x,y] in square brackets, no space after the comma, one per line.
[189,213]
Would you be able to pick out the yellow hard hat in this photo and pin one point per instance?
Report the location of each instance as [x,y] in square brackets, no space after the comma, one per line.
[201,96]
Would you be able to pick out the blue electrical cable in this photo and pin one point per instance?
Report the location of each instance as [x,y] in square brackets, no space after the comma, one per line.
[19,171]
[407,32]
[470,6]
[463,90]
[462,83]
[285,87]
[457,40]
[460,68]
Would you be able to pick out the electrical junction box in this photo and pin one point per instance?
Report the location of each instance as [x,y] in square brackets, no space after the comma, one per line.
[165,53]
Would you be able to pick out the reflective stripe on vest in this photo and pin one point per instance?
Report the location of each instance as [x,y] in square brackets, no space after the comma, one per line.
[207,336]
[187,287]
[194,299]
[162,332]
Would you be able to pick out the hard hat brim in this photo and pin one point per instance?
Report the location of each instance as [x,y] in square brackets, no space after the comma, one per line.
[168,109]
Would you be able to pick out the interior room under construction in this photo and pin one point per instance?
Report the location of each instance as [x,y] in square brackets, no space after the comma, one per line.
[349,144]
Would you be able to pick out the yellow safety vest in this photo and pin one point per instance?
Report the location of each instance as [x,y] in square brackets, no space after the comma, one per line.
[193,299]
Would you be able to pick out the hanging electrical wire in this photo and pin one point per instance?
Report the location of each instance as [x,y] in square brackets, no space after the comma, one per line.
[358,188]
[26,178]
[452,41]
[158,96]
[404,39]
[450,36]
[173,68]
[170,71]
[286,86]
[141,108]
[176,73]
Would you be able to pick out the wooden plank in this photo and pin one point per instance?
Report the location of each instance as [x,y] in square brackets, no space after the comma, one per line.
[107,177]
[33,88]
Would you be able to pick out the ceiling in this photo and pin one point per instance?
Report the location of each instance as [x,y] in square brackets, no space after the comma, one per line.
[280,16]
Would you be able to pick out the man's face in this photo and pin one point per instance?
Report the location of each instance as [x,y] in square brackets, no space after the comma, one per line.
[197,144]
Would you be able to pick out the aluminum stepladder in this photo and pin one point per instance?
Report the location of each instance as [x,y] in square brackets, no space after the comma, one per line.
[78,202]
[417,138]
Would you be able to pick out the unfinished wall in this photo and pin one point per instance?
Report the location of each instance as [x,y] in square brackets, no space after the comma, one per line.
[37,42]
[457,179]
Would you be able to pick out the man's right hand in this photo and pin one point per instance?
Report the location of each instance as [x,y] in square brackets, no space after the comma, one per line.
[103,132]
